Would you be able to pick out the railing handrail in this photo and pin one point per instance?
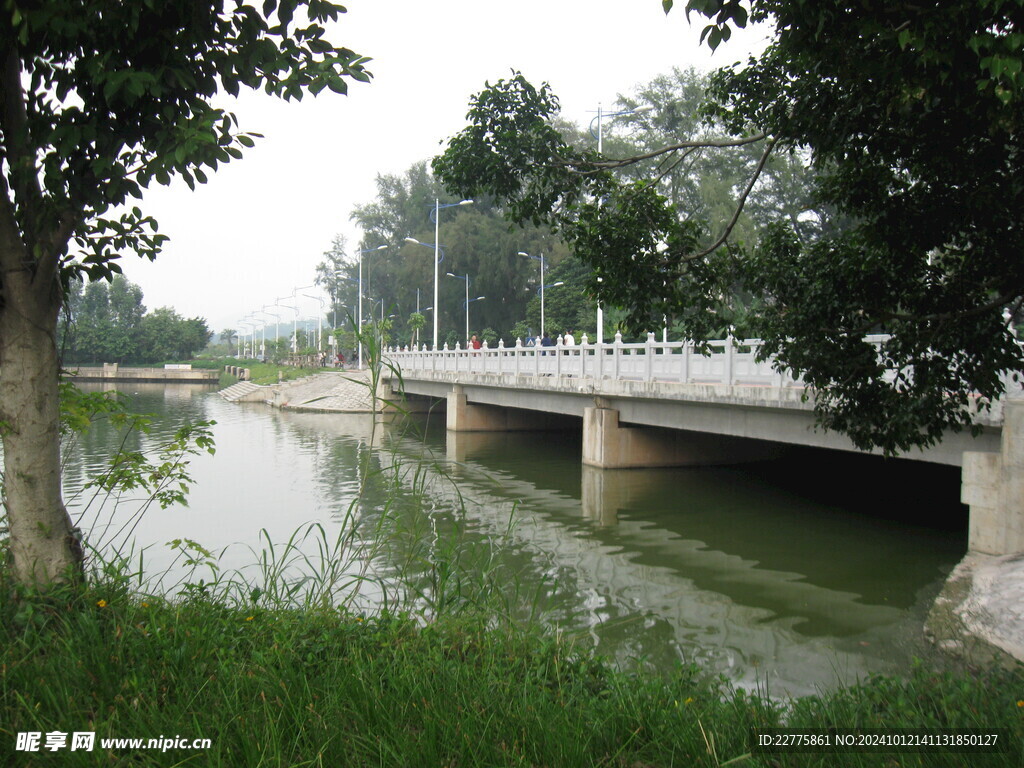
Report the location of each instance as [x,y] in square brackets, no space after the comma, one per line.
[727,361]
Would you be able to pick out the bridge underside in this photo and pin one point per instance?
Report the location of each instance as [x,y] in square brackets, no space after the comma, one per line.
[624,429]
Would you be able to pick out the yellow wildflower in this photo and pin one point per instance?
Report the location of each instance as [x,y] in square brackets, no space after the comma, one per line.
[101,603]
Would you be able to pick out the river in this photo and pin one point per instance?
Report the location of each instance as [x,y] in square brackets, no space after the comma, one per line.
[789,576]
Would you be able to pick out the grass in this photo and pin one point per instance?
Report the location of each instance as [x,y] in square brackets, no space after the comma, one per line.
[260,373]
[289,686]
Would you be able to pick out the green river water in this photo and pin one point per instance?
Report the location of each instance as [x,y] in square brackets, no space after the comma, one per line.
[790,576]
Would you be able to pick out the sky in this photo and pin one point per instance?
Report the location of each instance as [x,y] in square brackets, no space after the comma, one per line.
[255,232]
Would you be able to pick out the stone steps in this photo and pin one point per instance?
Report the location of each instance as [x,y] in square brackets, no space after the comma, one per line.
[237,392]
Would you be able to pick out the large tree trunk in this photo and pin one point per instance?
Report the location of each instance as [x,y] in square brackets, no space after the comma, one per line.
[42,539]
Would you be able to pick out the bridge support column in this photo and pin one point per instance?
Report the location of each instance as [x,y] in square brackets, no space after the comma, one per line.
[993,487]
[608,445]
[463,416]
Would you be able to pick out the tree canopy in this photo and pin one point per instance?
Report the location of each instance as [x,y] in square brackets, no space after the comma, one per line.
[910,116]
[98,100]
[110,324]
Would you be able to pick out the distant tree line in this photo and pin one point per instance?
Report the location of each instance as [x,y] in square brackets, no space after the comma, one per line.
[477,240]
[107,323]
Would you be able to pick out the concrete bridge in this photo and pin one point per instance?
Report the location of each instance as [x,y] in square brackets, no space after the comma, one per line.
[663,404]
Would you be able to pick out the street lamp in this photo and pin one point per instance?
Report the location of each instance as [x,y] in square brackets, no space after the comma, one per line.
[263,340]
[319,318]
[295,325]
[541,260]
[339,277]
[360,308]
[467,302]
[277,328]
[540,292]
[600,148]
[437,260]
[252,330]
[436,216]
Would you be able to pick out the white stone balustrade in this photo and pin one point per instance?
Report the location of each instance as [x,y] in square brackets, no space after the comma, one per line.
[731,362]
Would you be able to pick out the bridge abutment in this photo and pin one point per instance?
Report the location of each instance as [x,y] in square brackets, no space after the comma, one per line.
[463,416]
[609,445]
[993,488]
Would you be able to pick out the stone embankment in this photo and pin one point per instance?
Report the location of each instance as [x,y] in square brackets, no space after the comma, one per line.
[337,392]
[979,615]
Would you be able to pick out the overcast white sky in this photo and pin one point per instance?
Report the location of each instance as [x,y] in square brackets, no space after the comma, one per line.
[258,228]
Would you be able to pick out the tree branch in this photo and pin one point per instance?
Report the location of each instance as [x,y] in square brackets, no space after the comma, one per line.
[689,145]
[739,206]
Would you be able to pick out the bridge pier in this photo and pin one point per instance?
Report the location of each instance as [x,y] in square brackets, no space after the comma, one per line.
[993,488]
[609,445]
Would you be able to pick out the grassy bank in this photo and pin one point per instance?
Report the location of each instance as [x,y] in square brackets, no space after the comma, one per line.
[259,372]
[322,687]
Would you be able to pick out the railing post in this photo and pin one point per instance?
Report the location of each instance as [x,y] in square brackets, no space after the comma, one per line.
[558,356]
[616,354]
[583,355]
[685,377]
[728,360]
[649,358]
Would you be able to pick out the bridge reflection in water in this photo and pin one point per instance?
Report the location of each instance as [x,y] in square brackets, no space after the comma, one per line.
[724,567]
